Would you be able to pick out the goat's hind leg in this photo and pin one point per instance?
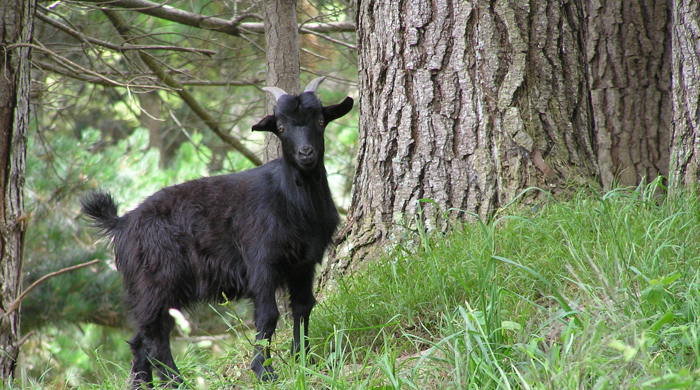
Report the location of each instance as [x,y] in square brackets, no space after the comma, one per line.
[151,349]
[161,356]
[141,374]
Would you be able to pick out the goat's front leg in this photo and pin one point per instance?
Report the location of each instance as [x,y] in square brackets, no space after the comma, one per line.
[266,316]
[302,301]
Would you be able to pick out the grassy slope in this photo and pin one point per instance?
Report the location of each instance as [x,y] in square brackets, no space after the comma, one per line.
[598,292]
[601,292]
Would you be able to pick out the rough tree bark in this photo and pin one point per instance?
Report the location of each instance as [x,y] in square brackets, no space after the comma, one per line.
[16,25]
[629,56]
[282,53]
[685,145]
[465,103]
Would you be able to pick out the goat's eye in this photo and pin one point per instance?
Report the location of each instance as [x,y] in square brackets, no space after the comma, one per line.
[280,129]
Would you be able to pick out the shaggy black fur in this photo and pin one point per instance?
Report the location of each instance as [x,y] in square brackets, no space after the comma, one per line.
[242,235]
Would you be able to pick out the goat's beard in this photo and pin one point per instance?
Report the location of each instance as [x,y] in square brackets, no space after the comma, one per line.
[307,166]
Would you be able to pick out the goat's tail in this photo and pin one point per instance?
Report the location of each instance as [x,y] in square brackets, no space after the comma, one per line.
[101,208]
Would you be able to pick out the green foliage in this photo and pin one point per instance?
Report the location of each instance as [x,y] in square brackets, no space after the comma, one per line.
[90,294]
[89,348]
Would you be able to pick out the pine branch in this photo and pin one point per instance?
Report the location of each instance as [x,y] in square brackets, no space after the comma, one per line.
[65,71]
[16,303]
[326,37]
[232,27]
[306,28]
[209,83]
[68,64]
[194,105]
[85,38]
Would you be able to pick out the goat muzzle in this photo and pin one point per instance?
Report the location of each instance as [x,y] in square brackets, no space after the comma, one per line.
[306,156]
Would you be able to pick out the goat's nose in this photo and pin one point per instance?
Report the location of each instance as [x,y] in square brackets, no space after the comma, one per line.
[306,151]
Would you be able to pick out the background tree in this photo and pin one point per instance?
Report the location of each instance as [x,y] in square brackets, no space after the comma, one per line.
[282,55]
[466,104]
[685,146]
[16,28]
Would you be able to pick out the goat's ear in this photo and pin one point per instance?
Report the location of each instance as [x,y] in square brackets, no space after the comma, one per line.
[268,123]
[337,110]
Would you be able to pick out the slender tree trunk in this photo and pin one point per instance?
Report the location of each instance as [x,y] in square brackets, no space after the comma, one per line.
[467,104]
[282,52]
[685,146]
[16,25]
[629,56]
[151,117]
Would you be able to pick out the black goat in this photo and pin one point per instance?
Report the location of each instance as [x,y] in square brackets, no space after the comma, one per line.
[240,235]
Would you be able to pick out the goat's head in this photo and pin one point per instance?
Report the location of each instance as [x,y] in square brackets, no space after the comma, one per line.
[299,122]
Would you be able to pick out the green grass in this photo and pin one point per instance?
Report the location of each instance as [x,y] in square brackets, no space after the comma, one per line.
[599,292]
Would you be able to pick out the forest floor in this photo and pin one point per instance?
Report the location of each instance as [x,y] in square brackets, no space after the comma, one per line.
[598,292]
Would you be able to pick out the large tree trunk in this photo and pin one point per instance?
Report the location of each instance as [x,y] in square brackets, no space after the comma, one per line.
[282,52]
[685,146]
[467,104]
[16,24]
[628,54]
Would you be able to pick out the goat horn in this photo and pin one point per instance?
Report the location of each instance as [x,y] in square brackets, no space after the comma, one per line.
[311,87]
[276,92]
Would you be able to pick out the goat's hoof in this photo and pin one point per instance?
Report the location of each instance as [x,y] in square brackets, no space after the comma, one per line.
[265,373]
